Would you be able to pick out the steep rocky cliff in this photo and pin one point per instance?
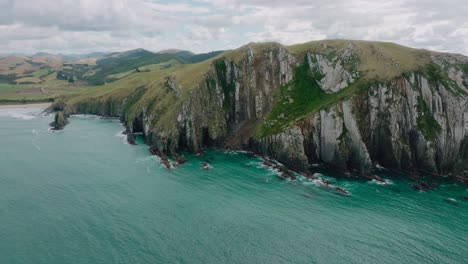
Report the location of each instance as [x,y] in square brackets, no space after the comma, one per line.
[346,104]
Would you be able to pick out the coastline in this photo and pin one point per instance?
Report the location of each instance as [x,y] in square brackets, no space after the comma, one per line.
[16,106]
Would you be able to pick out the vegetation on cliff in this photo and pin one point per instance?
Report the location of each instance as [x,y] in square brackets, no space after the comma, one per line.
[347,103]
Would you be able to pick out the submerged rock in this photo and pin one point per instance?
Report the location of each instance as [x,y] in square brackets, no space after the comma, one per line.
[162,156]
[341,191]
[205,166]
[60,121]
[180,159]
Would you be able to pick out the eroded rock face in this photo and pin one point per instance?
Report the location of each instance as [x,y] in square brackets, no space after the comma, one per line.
[335,76]
[60,121]
[382,126]
[410,122]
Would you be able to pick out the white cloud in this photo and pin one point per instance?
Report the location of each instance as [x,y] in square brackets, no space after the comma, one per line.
[204,25]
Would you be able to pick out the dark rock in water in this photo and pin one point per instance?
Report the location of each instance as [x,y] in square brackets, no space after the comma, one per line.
[164,159]
[180,159]
[342,191]
[283,172]
[419,187]
[308,176]
[60,121]
[377,178]
[205,166]
[131,139]
[154,151]
[425,185]
[166,162]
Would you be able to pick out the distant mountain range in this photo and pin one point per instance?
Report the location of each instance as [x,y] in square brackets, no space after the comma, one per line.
[94,68]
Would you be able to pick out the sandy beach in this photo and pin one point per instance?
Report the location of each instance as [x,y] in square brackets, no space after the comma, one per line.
[17,106]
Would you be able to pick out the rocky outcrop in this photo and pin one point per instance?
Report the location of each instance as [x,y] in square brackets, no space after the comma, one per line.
[405,124]
[60,121]
[318,105]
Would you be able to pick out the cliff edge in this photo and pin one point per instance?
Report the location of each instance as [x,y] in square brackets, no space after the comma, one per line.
[346,104]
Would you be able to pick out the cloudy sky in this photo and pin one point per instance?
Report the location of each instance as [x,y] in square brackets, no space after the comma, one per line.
[81,26]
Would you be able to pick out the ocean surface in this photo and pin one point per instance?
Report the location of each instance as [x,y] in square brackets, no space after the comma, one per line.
[83,195]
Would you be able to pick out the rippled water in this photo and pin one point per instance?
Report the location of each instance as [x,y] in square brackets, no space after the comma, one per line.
[83,195]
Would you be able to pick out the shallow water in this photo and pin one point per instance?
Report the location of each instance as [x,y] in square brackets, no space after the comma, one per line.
[82,195]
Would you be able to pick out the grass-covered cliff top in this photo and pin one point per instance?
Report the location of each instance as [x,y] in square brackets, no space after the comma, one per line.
[374,61]
[381,60]
[377,60]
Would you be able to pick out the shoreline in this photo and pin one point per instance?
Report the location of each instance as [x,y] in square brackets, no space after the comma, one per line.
[16,105]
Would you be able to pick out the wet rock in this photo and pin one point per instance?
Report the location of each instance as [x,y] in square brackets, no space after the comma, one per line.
[60,121]
[180,159]
[375,178]
[205,166]
[131,139]
[283,171]
[162,156]
[342,191]
[419,187]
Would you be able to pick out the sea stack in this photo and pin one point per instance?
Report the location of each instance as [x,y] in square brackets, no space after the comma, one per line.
[60,121]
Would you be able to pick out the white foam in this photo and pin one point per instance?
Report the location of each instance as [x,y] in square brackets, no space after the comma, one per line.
[21,113]
[235,152]
[385,182]
[24,117]
[122,137]
[36,146]
[209,166]
[379,167]
[146,159]
[33,139]
[17,114]
[307,183]
[83,116]
[270,169]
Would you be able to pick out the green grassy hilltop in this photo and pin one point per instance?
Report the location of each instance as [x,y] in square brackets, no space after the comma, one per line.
[44,77]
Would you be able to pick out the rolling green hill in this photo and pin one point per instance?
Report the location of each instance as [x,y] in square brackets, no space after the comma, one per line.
[45,76]
[116,63]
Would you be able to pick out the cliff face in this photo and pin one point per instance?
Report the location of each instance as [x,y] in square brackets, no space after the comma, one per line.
[348,105]
[403,124]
